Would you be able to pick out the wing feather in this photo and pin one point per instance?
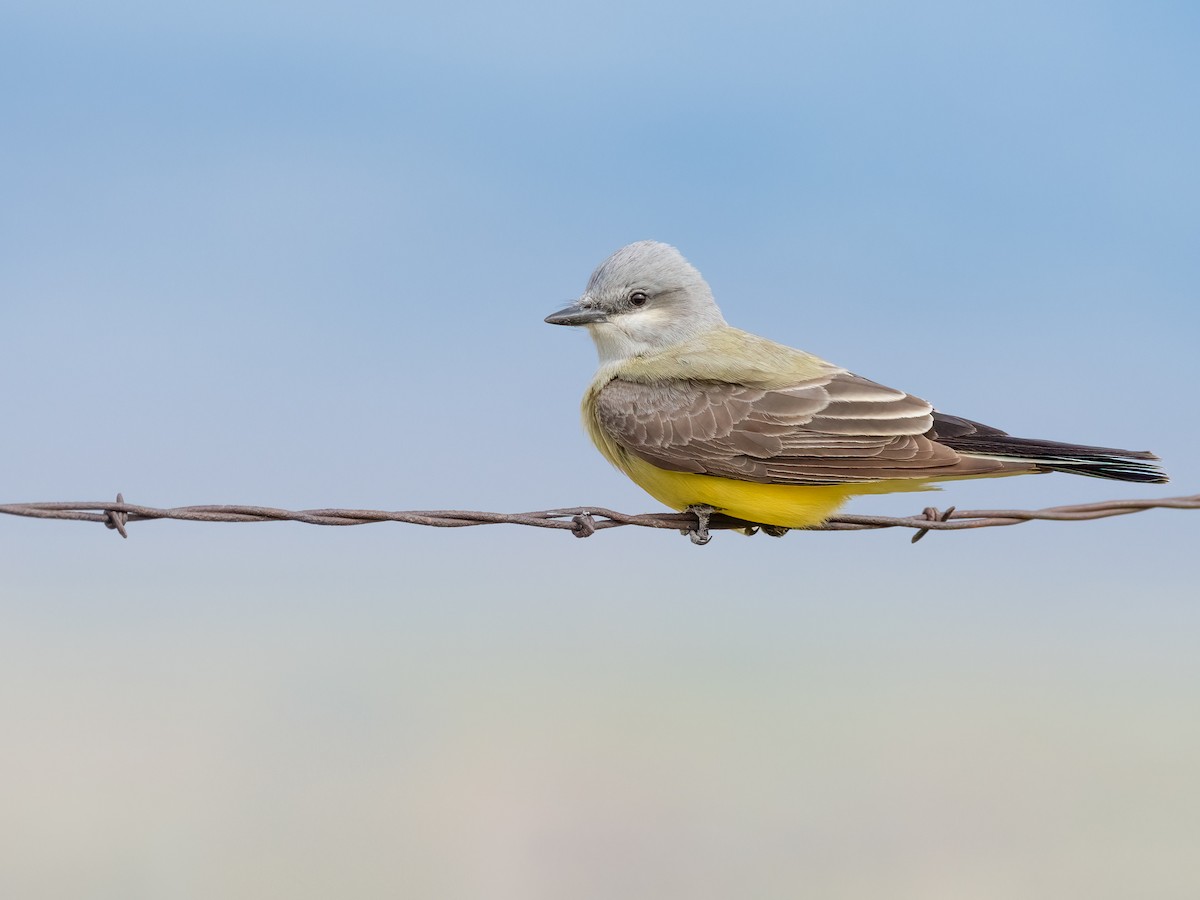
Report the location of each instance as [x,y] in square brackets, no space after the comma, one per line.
[836,427]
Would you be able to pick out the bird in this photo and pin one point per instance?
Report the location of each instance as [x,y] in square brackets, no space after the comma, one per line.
[708,418]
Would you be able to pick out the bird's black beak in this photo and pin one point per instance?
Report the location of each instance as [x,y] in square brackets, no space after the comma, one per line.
[577,314]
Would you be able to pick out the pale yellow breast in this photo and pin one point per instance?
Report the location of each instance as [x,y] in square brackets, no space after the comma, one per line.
[788,505]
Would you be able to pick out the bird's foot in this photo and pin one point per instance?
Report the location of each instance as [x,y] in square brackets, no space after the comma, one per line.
[772,530]
[699,534]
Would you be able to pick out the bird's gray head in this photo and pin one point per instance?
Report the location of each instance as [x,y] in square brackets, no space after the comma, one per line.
[644,298]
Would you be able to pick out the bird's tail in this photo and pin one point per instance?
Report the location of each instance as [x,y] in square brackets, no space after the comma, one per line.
[973,439]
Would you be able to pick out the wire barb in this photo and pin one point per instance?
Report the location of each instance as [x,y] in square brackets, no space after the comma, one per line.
[117,520]
[585,525]
[931,513]
[580,521]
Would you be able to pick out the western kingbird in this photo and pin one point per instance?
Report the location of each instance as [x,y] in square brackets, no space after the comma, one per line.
[706,417]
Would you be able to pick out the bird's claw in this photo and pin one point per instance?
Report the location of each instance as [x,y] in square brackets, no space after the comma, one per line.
[699,534]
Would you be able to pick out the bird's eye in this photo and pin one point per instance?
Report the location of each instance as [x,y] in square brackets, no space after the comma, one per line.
[638,298]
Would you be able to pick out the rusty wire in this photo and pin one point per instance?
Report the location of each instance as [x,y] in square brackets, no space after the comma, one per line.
[580,521]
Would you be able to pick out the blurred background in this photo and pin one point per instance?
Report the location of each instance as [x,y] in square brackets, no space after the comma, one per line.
[298,255]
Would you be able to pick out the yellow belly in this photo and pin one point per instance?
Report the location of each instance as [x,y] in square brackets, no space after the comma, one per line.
[786,505]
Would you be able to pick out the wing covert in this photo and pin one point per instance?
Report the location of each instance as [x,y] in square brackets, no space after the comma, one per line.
[833,428]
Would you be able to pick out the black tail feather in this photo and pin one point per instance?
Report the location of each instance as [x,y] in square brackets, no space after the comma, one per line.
[973,439]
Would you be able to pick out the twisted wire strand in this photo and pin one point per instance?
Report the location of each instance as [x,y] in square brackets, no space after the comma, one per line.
[582,521]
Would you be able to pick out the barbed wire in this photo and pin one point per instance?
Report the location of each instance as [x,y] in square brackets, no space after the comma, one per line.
[581,521]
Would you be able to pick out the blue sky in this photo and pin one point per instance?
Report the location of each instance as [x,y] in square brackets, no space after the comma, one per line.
[293,255]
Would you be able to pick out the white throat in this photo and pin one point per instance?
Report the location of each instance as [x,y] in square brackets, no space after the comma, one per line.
[648,331]
[614,345]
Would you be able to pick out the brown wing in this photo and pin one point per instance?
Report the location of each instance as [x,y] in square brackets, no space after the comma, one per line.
[828,430]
